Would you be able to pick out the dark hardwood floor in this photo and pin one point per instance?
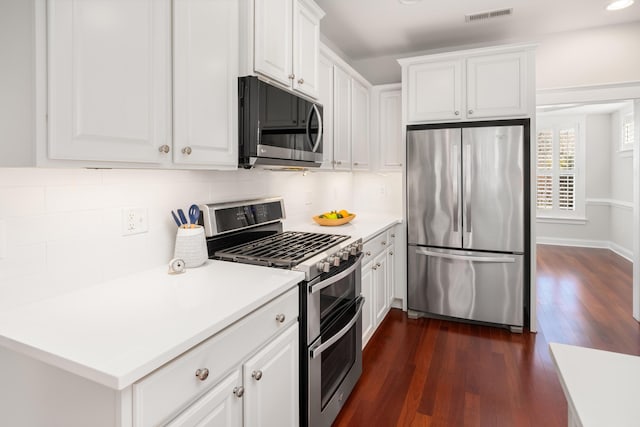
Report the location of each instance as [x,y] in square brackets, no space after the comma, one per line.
[429,372]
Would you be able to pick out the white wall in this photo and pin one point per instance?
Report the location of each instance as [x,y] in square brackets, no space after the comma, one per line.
[597,56]
[63,226]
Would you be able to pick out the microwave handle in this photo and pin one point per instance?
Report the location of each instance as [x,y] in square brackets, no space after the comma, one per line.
[317,349]
[319,138]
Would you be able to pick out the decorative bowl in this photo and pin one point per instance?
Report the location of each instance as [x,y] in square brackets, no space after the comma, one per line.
[333,222]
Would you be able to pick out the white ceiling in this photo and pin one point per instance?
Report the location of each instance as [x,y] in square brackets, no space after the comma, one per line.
[373,28]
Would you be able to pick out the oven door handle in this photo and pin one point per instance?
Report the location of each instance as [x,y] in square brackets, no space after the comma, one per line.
[317,349]
[333,279]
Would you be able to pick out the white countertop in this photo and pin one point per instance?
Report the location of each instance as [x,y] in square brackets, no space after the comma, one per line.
[117,332]
[600,386]
[363,226]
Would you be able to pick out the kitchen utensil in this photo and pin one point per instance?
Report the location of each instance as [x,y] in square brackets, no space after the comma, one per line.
[183,218]
[194,214]
[175,218]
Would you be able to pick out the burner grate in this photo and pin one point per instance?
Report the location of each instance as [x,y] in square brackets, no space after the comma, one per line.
[281,250]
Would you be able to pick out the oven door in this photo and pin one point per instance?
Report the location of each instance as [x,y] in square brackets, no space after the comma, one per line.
[335,365]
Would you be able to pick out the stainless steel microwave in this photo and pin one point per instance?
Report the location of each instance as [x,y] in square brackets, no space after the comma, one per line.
[276,127]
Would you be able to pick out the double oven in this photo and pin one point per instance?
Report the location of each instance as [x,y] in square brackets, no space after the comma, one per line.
[330,296]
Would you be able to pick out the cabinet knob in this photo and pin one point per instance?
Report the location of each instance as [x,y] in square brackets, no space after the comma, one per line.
[280,317]
[374,267]
[292,76]
[339,162]
[368,253]
[164,148]
[256,375]
[378,265]
[470,111]
[383,242]
[238,391]
[301,81]
[202,374]
[457,113]
[393,235]
[355,163]
[390,252]
[186,150]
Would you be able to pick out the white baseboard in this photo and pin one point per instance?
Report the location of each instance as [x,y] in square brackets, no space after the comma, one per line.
[584,243]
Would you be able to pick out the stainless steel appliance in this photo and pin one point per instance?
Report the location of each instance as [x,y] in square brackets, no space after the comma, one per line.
[467,210]
[330,300]
[277,127]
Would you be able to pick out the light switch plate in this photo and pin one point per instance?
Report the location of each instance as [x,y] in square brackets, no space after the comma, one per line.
[3,239]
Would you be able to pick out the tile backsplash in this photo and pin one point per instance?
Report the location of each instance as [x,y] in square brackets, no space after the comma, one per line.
[61,229]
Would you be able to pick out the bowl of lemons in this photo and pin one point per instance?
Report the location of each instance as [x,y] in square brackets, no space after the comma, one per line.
[334,218]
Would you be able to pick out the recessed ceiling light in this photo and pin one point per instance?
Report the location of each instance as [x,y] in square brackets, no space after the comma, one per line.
[619,4]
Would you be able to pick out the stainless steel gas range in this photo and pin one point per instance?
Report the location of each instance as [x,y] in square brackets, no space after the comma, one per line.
[330,300]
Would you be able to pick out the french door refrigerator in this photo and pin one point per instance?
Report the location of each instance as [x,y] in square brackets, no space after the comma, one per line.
[467,207]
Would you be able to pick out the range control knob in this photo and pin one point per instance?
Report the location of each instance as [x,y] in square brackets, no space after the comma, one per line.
[334,260]
[344,254]
[325,267]
[360,246]
[353,250]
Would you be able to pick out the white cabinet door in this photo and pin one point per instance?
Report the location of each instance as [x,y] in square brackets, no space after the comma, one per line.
[219,407]
[391,275]
[325,86]
[271,383]
[497,85]
[273,32]
[367,308]
[306,48]
[390,129]
[109,80]
[205,82]
[359,126]
[434,91]
[341,119]
[380,299]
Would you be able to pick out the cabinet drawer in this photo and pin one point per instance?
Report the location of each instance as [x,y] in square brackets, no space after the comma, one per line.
[374,246]
[173,386]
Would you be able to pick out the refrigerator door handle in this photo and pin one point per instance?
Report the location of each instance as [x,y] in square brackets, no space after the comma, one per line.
[467,188]
[455,161]
[426,252]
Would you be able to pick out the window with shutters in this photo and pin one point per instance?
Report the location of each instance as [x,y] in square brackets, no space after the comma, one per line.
[559,184]
[626,142]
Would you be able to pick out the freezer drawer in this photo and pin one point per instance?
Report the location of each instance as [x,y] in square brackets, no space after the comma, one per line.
[487,287]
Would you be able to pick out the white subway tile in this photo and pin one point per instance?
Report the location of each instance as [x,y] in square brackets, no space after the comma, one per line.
[23,261]
[22,201]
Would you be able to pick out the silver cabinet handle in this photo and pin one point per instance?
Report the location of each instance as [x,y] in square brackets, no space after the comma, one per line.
[164,148]
[384,242]
[292,76]
[301,81]
[256,375]
[470,111]
[238,391]
[280,317]
[202,374]
[457,113]
[186,150]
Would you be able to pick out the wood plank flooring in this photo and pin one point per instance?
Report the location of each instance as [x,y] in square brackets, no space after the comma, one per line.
[429,372]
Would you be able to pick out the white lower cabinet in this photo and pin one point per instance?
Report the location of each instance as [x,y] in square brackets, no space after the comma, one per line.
[367,308]
[380,291]
[391,274]
[222,406]
[271,383]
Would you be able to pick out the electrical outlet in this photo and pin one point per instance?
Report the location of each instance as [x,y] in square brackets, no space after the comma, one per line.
[3,239]
[134,221]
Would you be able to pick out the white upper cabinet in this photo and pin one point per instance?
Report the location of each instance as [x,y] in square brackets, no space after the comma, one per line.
[109,80]
[325,82]
[341,119]
[273,36]
[205,102]
[359,126]
[286,43]
[434,91]
[387,126]
[470,85]
[497,85]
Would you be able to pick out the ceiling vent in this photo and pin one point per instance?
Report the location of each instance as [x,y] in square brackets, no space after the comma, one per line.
[483,16]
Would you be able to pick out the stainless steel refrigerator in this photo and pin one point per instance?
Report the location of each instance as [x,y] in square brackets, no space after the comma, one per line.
[467,211]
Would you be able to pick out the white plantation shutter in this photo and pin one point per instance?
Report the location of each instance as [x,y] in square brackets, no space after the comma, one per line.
[627,132]
[567,167]
[556,170]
